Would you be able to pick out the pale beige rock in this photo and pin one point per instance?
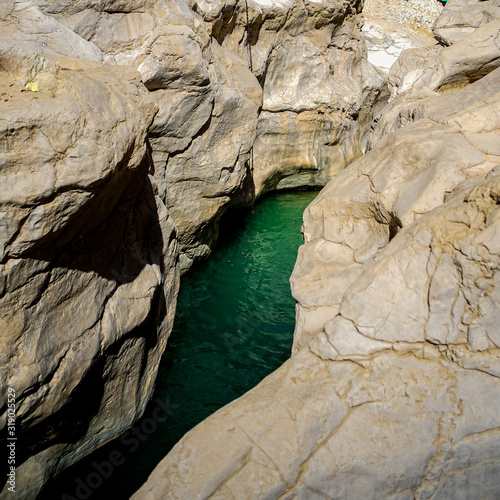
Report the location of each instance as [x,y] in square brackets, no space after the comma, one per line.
[88,257]
[445,69]
[317,97]
[426,149]
[461,17]
[385,40]
[310,78]
[208,102]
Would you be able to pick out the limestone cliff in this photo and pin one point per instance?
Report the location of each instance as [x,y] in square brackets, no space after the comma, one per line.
[252,95]
[89,262]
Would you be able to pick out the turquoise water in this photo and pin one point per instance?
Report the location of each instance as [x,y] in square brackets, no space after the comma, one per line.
[234,325]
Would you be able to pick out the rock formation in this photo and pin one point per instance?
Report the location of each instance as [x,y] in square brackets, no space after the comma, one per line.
[393,389]
[248,87]
[89,262]
[386,40]
[107,173]
[461,17]
[130,126]
[428,148]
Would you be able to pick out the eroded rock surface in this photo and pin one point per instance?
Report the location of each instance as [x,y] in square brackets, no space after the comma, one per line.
[386,40]
[445,69]
[462,17]
[393,388]
[88,252]
[252,96]
[427,148]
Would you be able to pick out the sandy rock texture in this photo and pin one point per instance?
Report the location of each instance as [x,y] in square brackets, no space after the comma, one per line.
[88,252]
[208,103]
[318,93]
[426,148]
[393,387]
[461,17]
[445,69]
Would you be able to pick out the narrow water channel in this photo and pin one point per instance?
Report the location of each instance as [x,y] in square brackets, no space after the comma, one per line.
[234,325]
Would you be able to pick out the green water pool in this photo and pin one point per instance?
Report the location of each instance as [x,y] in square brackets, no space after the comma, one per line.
[234,325]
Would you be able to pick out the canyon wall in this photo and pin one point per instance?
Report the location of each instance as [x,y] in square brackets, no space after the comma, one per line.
[252,95]
[393,388]
[127,129]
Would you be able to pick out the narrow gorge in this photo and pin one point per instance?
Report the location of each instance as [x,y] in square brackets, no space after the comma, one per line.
[130,130]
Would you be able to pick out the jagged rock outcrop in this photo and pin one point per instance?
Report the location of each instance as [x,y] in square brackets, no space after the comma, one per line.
[385,40]
[445,69]
[268,87]
[208,102]
[427,148]
[88,253]
[394,384]
[318,92]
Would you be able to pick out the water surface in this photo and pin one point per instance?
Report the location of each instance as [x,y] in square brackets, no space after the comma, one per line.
[234,325]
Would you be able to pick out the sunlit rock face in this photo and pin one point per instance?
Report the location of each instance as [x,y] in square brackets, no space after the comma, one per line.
[252,96]
[88,252]
[208,102]
[129,128]
[462,17]
[428,147]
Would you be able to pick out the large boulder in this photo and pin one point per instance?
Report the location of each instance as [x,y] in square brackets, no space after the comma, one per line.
[461,17]
[427,148]
[396,398]
[445,69]
[88,253]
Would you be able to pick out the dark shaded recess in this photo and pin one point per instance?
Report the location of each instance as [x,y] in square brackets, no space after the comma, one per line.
[86,241]
[125,236]
[227,22]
